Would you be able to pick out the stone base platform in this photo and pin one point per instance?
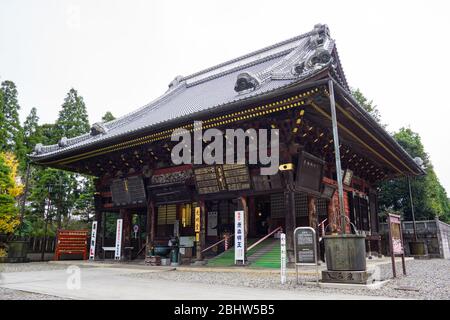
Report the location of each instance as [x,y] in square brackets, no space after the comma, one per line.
[331,285]
[349,277]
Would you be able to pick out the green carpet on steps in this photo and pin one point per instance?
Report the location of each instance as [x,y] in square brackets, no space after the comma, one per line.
[226,259]
[269,260]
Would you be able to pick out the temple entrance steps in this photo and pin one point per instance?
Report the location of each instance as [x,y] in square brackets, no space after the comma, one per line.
[264,255]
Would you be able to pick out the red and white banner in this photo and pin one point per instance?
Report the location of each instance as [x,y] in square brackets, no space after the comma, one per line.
[93,241]
[118,251]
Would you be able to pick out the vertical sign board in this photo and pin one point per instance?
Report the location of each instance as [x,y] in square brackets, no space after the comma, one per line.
[283,257]
[396,241]
[305,248]
[239,243]
[117,253]
[197,225]
[93,240]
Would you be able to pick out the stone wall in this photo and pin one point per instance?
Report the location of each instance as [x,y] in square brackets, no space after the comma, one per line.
[435,233]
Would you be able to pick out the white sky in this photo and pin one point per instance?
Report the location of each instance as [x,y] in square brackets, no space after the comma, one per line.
[120,55]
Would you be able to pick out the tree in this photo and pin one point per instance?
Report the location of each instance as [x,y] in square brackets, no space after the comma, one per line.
[3,129]
[11,128]
[73,118]
[367,105]
[429,196]
[108,117]
[75,189]
[32,132]
[10,190]
[48,134]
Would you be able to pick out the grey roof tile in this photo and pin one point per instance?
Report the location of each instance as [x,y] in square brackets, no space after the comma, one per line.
[271,68]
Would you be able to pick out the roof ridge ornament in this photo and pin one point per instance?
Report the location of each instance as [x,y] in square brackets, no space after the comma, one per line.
[320,34]
[98,128]
[38,148]
[246,81]
[175,82]
[62,142]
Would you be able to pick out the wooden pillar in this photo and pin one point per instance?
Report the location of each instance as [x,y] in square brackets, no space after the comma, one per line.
[333,206]
[202,237]
[251,216]
[98,218]
[289,203]
[125,215]
[314,219]
[287,173]
[151,227]
[103,234]
[312,212]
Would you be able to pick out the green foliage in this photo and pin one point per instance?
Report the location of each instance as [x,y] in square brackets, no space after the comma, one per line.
[32,132]
[73,118]
[429,196]
[65,197]
[9,191]
[48,134]
[11,131]
[3,130]
[108,117]
[367,105]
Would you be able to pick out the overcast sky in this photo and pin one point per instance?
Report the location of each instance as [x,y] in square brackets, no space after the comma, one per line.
[120,55]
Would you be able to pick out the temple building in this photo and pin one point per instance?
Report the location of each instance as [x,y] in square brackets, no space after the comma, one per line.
[285,86]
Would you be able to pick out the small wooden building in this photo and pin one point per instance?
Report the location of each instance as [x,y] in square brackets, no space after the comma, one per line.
[284,86]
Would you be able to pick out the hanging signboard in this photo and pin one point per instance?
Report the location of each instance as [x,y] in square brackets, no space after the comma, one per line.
[218,178]
[93,240]
[239,243]
[309,173]
[117,253]
[128,191]
[396,241]
[236,176]
[305,248]
[283,257]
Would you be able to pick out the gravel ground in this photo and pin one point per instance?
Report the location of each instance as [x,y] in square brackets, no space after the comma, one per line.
[430,277]
[9,294]
[30,266]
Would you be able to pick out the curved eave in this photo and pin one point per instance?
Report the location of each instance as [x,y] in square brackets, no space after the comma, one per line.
[375,127]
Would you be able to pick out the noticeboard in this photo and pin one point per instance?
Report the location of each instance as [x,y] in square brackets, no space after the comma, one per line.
[126,191]
[217,178]
[396,241]
[209,180]
[309,173]
[236,176]
[305,246]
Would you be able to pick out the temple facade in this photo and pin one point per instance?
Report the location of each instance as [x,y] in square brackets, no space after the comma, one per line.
[286,87]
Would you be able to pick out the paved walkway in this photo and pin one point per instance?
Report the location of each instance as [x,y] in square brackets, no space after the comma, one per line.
[113,283]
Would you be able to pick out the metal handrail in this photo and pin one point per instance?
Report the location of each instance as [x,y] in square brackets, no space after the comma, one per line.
[216,244]
[264,238]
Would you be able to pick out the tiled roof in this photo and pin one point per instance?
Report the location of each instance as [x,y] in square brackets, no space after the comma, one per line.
[265,70]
